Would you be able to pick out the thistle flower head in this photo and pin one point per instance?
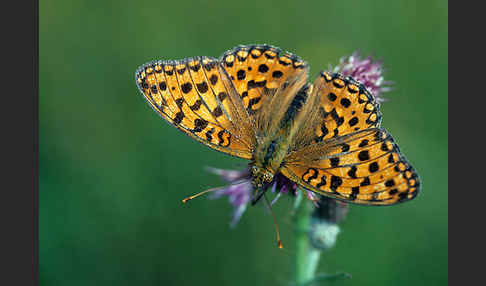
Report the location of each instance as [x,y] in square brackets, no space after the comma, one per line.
[367,71]
[325,219]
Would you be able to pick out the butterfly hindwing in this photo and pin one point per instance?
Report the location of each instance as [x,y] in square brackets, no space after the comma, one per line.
[190,96]
[349,157]
[365,167]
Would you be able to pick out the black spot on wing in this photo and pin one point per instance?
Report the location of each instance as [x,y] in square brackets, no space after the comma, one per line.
[277,74]
[363,143]
[153,88]
[332,96]
[335,182]
[222,140]
[213,79]
[186,87]
[339,119]
[390,183]
[310,178]
[209,134]
[345,102]
[322,183]
[199,125]
[373,167]
[179,102]
[345,147]
[195,67]
[196,105]
[353,121]
[253,84]
[352,172]
[252,102]
[162,86]
[354,193]
[364,155]
[365,182]
[240,75]
[202,87]
[178,118]
[263,68]
[334,162]
[217,111]
[222,96]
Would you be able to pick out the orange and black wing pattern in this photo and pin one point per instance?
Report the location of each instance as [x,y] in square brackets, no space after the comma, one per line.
[346,106]
[366,167]
[190,95]
[216,101]
[260,70]
[351,157]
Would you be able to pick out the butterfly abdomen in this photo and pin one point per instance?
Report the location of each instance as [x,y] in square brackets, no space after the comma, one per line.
[295,106]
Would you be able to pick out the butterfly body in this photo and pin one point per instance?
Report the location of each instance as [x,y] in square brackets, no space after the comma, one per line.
[274,147]
[255,103]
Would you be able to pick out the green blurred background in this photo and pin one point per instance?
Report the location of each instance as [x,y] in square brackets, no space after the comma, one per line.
[112,173]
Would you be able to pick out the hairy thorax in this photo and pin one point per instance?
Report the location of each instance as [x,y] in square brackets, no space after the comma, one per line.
[268,158]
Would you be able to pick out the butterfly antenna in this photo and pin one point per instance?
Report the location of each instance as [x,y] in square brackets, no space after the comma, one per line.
[279,242]
[201,193]
[210,190]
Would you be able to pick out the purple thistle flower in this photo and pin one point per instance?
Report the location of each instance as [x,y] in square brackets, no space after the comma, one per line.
[240,189]
[367,71]
[238,192]
[239,196]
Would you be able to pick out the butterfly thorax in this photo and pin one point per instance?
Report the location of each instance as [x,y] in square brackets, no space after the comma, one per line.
[267,160]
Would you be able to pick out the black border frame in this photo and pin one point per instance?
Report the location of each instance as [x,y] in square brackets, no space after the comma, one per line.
[19,116]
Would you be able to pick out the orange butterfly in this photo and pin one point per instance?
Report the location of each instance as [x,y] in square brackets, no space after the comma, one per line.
[255,103]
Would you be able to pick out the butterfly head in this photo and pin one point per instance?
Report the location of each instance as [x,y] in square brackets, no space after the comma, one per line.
[260,176]
[260,179]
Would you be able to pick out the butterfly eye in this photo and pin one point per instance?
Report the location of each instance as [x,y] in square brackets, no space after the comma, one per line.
[267,177]
[254,170]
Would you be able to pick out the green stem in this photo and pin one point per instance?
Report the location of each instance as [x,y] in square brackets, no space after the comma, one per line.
[306,256]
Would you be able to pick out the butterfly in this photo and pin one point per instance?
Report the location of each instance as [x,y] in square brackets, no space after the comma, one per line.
[255,103]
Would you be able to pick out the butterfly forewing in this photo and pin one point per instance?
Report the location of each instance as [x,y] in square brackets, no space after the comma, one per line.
[183,94]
